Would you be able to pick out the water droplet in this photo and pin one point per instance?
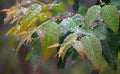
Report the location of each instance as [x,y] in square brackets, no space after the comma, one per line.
[18,27]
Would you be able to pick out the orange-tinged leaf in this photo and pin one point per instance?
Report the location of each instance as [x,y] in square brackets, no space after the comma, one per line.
[4,10]
[12,13]
[22,35]
[79,48]
[93,50]
[49,34]
[82,54]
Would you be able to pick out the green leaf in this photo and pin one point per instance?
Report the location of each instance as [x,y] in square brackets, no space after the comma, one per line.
[49,34]
[82,10]
[29,22]
[79,48]
[58,7]
[31,17]
[35,53]
[92,14]
[71,24]
[113,42]
[115,3]
[75,24]
[35,8]
[28,57]
[109,57]
[100,32]
[93,50]
[66,44]
[111,17]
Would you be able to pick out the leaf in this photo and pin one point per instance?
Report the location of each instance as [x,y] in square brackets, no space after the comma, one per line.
[93,50]
[111,17]
[66,45]
[35,52]
[115,2]
[69,24]
[54,45]
[29,22]
[72,24]
[35,7]
[82,10]
[58,7]
[75,24]
[76,4]
[49,34]
[22,35]
[79,48]
[11,13]
[109,57]
[44,15]
[18,48]
[45,7]
[13,31]
[92,14]
[12,42]
[100,32]
[113,42]
[28,57]
[31,17]
[119,55]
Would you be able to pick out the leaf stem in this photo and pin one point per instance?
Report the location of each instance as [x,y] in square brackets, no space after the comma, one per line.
[101,2]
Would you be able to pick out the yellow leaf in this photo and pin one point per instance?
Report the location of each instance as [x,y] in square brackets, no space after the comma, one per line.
[54,45]
[12,42]
[119,56]
[69,40]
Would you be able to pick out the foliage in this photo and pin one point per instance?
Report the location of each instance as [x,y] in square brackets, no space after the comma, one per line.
[92,33]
